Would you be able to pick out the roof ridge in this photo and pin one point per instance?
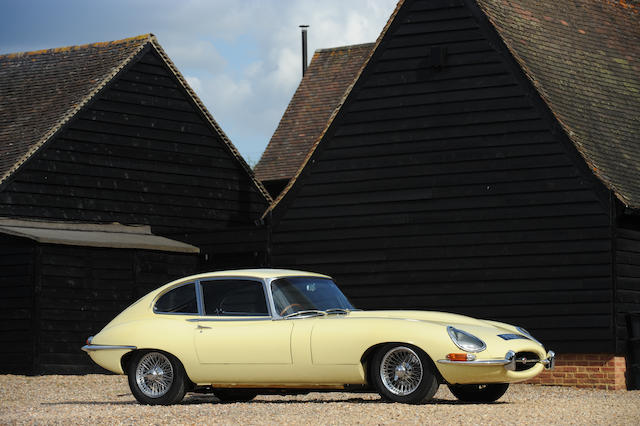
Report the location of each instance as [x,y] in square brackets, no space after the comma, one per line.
[148,36]
[209,117]
[349,46]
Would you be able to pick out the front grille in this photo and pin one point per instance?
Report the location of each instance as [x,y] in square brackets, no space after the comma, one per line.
[526,360]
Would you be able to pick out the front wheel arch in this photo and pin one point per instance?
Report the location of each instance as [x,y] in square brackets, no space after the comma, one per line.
[402,373]
[367,356]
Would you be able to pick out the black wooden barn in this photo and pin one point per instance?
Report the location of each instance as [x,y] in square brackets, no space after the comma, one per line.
[113,177]
[486,162]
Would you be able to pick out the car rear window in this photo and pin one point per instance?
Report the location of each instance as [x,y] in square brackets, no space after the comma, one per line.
[180,300]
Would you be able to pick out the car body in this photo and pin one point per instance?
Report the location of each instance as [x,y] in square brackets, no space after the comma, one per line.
[239,333]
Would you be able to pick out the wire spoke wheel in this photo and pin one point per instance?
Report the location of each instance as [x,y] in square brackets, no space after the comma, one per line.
[154,374]
[401,371]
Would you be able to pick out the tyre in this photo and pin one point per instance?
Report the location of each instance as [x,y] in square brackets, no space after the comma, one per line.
[479,393]
[234,395]
[402,373]
[156,378]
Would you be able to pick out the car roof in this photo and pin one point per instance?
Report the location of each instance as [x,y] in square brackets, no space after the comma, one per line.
[261,273]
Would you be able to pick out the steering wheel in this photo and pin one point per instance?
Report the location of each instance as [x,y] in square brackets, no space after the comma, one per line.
[288,307]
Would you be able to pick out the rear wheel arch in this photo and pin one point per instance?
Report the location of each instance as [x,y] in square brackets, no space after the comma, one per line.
[126,360]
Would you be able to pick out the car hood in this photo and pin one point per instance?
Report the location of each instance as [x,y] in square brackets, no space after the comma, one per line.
[443,318]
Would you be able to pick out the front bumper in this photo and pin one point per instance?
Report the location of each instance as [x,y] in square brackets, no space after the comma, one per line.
[509,361]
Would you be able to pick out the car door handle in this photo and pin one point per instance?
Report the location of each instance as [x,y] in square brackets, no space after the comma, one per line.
[201,327]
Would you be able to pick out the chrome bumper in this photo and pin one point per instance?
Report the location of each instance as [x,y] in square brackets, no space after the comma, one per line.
[509,361]
[89,347]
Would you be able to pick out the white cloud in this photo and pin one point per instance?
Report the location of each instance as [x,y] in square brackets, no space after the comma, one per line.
[195,54]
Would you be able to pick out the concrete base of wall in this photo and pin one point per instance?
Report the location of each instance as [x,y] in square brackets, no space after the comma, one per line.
[598,371]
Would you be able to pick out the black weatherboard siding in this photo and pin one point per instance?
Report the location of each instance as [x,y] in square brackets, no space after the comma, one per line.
[444,183]
[627,282]
[96,134]
[17,314]
[81,289]
[140,153]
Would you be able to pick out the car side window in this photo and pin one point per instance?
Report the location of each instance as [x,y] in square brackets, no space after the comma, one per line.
[180,300]
[234,298]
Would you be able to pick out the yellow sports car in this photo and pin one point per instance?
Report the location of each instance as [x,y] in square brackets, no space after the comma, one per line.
[245,332]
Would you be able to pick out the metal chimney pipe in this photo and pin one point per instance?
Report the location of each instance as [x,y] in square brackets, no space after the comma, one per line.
[304,48]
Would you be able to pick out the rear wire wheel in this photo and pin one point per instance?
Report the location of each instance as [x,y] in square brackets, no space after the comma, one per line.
[402,373]
[156,378]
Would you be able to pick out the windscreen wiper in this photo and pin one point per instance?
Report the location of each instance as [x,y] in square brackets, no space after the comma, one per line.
[309,312]
[337,311]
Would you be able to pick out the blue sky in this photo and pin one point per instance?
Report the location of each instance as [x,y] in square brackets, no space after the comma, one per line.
[241,56]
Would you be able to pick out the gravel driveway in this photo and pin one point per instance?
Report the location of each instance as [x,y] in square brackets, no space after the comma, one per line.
[105,399]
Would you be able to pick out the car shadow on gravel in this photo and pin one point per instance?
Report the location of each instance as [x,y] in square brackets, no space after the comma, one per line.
[89,403]
[209,399]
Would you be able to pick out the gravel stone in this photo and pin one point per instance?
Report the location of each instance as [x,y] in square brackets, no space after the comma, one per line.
[106,399]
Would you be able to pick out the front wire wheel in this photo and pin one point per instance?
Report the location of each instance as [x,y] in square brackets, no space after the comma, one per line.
[156,378]
[479,393]
[402,373]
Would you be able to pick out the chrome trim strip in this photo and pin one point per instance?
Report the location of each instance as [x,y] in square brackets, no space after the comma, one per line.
[270,302]
[229,319]
[90,348]
[479,362]
[199,298]
[508,361]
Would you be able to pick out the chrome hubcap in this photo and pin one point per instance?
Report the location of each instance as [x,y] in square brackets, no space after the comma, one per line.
[401,371]
[154,375]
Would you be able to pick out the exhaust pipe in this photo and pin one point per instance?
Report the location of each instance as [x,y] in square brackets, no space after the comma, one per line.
[304,48]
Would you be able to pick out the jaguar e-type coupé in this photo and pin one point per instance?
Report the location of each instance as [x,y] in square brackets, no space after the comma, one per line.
[240,333]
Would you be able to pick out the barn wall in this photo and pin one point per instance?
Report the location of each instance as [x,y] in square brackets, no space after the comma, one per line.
[452,188]
[627,282]
[140,154]
[82,289]
[16,304]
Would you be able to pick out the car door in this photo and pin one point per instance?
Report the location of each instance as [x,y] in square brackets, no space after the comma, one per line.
[236,328]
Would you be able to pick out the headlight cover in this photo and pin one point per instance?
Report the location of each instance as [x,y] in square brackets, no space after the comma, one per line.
[465,341]
[528,335]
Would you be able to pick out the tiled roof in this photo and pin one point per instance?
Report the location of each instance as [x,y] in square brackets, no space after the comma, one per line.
[583,57]
[330,74]
[41,91]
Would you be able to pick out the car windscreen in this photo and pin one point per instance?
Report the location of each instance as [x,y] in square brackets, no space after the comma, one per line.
[296,294]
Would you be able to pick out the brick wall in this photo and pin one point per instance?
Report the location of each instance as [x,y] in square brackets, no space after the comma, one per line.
[600,371]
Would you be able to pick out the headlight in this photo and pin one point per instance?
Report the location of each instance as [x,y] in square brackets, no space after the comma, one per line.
[527,334]
[465,341]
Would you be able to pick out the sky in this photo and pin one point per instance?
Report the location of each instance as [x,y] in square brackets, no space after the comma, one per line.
[242,57]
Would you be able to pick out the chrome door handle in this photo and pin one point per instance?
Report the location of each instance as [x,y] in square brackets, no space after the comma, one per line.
[201,327]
